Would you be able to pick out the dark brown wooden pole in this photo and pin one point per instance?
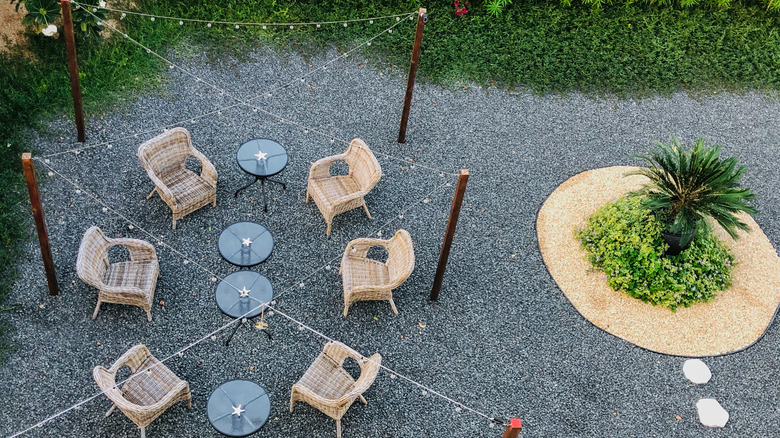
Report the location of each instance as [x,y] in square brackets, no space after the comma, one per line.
[513,430]
[40,222]
[444,255]
[73,67]
[422,18]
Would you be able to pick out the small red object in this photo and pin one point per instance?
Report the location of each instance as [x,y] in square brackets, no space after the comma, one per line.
[515,423]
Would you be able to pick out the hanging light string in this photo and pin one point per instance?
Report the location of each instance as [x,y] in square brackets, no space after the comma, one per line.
[212,334]
[395,373]
[183,20]
[267,93]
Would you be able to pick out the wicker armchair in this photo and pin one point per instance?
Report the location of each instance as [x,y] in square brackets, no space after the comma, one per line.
[148,392]
[366,279]
[163,158]
[338,194]
[327,386]
[131,282]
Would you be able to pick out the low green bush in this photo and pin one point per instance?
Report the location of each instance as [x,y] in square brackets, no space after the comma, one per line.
[624,240]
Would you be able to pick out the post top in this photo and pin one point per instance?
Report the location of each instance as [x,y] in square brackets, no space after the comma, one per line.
[515,423]
[26,156]
[464,171]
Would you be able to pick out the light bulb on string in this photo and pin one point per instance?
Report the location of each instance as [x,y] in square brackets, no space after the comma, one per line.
[397,18]
[236,26]
[181,23]
[265,27]
[345,24]
[292,27]
[368,43]
[208,24]
[122,17]
[389,30]
[370,21]
[318,24]
[152,18]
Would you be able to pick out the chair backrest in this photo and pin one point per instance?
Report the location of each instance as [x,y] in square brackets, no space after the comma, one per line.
[363,165]
[400,257]
[166,152]
[92,261]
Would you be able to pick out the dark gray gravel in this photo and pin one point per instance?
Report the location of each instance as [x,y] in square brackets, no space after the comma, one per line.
[502,339]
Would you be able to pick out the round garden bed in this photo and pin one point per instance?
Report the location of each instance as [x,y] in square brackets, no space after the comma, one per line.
[735,319]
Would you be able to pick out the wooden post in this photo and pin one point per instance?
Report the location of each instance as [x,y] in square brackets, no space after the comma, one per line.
[444,255]
[40,222]
[422,18]
[73,67]
[513,429]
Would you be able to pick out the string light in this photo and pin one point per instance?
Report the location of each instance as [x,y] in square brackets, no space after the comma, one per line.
[181,20]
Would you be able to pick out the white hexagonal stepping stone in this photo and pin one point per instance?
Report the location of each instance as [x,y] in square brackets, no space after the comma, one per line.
[696,371]
[711,413]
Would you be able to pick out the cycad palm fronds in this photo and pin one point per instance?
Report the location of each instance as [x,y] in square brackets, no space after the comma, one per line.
[689,186]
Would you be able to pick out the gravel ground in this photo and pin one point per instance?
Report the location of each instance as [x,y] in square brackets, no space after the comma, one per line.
[502,339]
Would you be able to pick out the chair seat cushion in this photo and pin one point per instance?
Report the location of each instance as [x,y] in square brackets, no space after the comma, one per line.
[187,186]
[140,274]
[151,382]
[359,271]
[329,190]
[326,378]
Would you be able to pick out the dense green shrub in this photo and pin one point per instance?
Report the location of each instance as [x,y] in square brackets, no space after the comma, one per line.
[769,5]
[623,239]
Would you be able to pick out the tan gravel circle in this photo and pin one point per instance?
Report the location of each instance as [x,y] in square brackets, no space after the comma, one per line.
[734,320]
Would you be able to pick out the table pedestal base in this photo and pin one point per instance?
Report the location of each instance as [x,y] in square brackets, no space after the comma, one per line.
[239,324]
[262,189]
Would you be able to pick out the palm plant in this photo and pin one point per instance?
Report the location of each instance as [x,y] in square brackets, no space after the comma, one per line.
[687,186]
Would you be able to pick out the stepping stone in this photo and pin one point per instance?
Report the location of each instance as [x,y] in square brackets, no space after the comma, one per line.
[696,371]
[711,413]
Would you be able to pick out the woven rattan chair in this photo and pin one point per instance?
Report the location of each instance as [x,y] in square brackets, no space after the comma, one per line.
[130,282]
[184,191]
[366,279]
[338,194]
[148,392]
[327,386]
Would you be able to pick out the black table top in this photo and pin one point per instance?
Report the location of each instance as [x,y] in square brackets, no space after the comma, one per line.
[242,291]
[238,408]
[262,157]
[245,244]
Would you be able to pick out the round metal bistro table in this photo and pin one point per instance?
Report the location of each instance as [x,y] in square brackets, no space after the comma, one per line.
[243,293]
[245,244]
[238,408]
[262,158]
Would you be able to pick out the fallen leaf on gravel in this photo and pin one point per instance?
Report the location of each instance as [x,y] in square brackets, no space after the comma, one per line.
[512,256]
[421,325]
[41,306]
[376,319]
[98,342]
[252,368]
[162,303]
[678,417]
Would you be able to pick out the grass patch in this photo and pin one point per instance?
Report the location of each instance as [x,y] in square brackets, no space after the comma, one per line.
[626,50]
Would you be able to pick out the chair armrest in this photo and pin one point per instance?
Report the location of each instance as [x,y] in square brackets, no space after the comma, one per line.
[207,170]
[138,249]
[164,191]
[321,168]
[166,399]
[329,402]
